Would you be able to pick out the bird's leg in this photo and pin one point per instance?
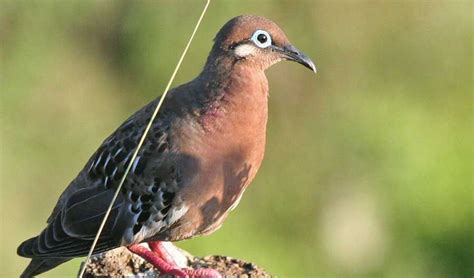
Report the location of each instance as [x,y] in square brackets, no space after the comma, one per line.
[168,252]
[158,248]
[163,266]
[163,260]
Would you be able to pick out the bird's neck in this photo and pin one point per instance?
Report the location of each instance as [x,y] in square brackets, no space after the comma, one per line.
[226,76]
[234,91]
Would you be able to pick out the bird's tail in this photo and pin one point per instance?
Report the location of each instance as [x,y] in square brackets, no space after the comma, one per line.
[37,265]
[40,265]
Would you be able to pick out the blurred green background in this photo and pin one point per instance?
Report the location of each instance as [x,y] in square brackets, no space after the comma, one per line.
[368,168]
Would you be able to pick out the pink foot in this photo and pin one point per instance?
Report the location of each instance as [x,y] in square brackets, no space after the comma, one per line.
[203,273]
[158,248]
[160,258]
[163,266]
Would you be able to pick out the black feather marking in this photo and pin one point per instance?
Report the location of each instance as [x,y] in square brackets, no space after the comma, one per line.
[146,206]
[120,155]
[134,197]
[144,215]
[146,198]
[135,209]
[165,210]
[136,228]
[168,198]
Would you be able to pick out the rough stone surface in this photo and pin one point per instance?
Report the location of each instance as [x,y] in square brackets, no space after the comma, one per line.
[122,263]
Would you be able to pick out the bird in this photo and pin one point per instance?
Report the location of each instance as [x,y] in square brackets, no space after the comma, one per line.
[202,151]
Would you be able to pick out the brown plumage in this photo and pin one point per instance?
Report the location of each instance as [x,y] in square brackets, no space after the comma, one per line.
[203,150]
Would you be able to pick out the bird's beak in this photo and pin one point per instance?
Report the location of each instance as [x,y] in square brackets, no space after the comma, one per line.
[291,53]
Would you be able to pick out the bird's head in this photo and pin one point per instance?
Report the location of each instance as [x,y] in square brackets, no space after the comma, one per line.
[258,42]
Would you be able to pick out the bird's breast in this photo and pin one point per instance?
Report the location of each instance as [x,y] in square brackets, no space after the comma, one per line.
[227,153]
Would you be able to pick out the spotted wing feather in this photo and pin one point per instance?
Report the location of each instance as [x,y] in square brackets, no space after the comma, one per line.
[145,197]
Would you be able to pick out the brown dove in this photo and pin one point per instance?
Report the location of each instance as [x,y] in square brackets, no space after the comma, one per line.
[204,148]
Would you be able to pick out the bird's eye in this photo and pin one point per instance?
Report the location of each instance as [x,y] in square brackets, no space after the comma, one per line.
[261,38]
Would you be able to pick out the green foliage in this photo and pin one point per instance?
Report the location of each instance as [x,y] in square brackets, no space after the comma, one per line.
[368,169]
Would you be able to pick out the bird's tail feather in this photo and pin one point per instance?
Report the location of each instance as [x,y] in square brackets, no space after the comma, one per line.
[26,248]
[38,266]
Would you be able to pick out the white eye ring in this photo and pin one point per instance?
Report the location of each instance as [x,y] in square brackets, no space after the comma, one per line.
[261,39]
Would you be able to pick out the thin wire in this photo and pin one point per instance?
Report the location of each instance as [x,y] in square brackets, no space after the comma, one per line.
[158,106]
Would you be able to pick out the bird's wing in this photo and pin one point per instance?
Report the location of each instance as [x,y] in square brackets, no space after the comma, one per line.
[145,196]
